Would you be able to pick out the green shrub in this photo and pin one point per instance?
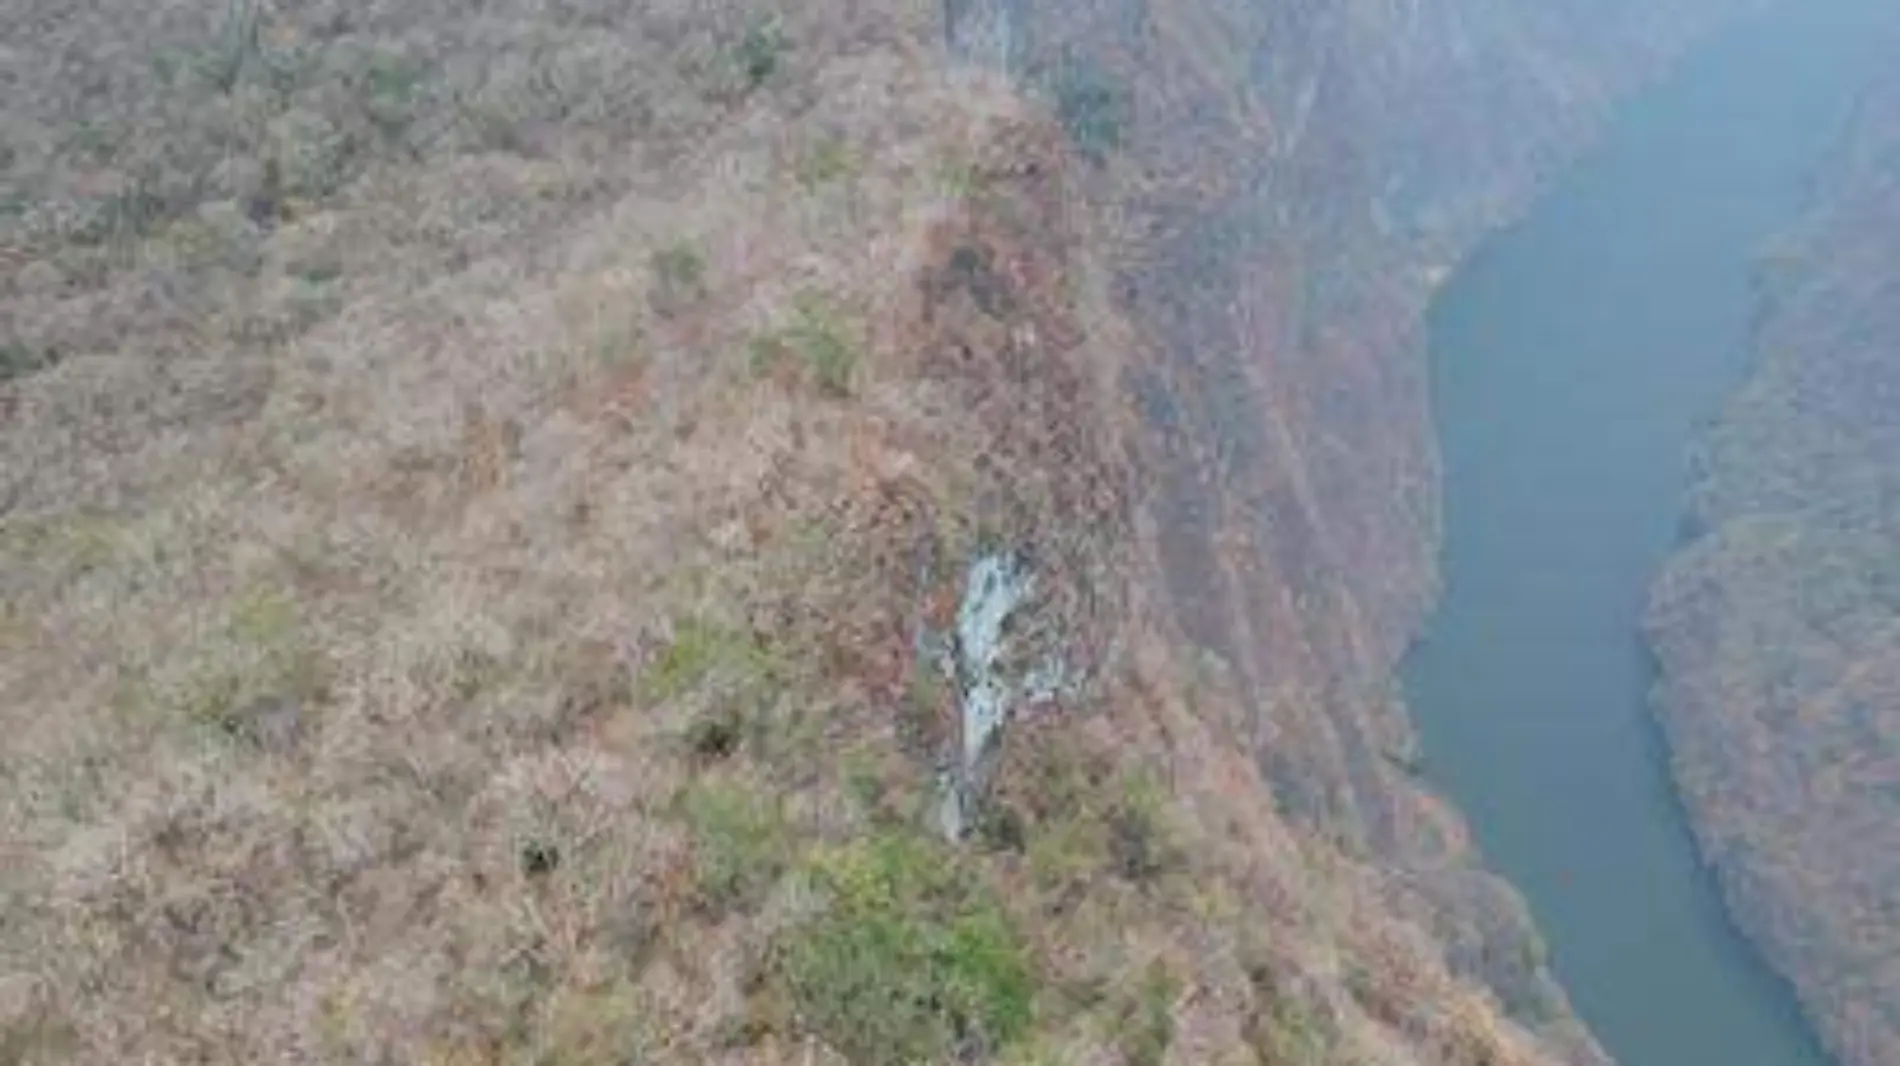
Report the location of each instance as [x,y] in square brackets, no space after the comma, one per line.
[760,52]
[18,360]
[222,62]
[825,162]
[132,213]
[1288,1033]
[956,178]
[820,341]
[704,653]
[716,735]
[391,89]
[1000,827]
[1146,1026]
[680,264]
[1093,107]
[608,1026]
[679,277]
[1076,827]
[259,666]
[741,844]
[1138,846]
[909,960]
[320,272]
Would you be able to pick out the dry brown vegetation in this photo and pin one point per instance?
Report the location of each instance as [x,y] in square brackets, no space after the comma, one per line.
[1779,627]
[471,485]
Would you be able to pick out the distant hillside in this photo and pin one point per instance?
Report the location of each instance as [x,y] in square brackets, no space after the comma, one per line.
[1778,626]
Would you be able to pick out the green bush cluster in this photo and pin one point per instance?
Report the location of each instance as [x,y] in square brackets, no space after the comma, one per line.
[819,339]
[1146,1027]
[829,160]
[18,360]
[257,671]
[740,844]
[703,653]
[909,960]
[760,52]
[1092,106]
[679,277]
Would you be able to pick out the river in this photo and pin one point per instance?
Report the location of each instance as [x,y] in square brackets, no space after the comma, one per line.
[1573,359]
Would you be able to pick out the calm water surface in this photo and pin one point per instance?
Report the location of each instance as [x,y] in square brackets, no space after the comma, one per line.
[1573,359]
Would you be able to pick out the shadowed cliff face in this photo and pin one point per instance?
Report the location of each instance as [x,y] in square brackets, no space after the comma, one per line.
[1288,183]
[1778,625]
[1290,180]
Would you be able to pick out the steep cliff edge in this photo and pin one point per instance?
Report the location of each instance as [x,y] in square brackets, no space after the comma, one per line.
[492,500]
[1290,182]
[1778,625]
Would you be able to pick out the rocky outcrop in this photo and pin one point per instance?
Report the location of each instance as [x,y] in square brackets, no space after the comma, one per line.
[1778,624]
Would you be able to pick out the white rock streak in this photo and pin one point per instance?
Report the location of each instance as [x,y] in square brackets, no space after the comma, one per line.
[998,584]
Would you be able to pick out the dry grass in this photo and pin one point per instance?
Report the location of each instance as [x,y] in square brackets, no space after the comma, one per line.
[433,633]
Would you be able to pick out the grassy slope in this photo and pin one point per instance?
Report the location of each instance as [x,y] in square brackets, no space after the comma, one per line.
[1779,628]
[471,484]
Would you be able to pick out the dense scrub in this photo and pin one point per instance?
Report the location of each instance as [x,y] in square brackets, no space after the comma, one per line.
[1778,625]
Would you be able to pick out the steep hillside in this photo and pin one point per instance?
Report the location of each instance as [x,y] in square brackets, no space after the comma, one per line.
[1778,626]
[1290,181]
[518,523]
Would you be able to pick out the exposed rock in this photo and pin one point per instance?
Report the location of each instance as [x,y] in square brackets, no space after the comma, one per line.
[997,586]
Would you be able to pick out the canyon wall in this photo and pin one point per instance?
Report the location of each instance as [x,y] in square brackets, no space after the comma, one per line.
[1778,623]
[1290,183]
